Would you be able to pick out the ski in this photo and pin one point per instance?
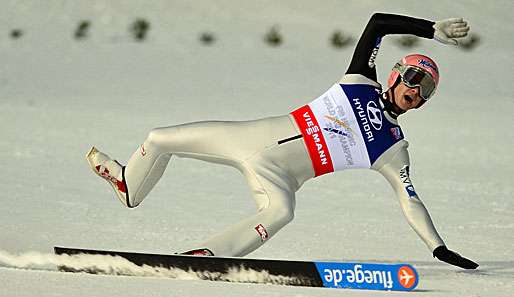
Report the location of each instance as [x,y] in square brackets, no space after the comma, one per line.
[366,276]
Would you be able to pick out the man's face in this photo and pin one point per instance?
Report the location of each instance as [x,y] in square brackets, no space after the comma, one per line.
[407,98]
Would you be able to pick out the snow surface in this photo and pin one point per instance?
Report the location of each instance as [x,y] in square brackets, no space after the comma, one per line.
[59,96]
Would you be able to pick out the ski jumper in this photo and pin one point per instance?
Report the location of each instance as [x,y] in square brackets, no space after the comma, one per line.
[346,127]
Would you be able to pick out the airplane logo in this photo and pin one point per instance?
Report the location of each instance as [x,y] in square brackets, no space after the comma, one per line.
[407,277]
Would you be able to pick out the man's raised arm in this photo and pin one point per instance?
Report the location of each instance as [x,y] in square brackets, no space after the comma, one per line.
[381,24]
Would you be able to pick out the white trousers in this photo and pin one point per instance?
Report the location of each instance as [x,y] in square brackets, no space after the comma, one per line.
[274,171]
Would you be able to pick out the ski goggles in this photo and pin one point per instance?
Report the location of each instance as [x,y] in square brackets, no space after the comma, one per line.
[416,77]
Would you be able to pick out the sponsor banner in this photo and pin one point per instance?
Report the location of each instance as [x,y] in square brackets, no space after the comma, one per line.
[314,140]
[366,276]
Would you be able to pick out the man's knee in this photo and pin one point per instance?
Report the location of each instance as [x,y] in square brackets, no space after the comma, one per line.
[280,215]
[286,215]
[157,136]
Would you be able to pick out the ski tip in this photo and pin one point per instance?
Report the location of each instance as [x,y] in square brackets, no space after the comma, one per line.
[58,250]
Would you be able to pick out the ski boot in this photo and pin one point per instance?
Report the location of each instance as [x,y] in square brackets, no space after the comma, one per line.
[110,170]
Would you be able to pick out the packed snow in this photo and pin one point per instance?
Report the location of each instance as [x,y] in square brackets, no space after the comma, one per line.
[59,96]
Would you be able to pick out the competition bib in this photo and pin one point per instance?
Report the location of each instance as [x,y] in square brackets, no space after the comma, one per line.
[346,128]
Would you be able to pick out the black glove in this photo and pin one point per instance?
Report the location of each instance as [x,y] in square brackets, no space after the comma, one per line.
[444,254]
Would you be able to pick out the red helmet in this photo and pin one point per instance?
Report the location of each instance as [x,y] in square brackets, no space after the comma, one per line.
[416,70]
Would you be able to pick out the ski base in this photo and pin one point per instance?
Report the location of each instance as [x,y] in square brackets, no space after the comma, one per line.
[366,276]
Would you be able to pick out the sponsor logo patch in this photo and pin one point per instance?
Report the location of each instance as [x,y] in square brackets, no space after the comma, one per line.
[314,140]
[371,61]
[409,188]
[374,115]
[406,276]
[143,152]
[367,276]
[263,233]
[361,114]
[427,64]
[397,133]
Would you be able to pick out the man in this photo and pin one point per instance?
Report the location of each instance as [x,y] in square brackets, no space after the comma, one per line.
[352,125]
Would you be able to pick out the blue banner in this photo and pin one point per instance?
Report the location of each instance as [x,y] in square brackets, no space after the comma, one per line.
[365,276]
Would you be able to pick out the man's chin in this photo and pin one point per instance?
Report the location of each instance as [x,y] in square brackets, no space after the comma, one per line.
[402,107]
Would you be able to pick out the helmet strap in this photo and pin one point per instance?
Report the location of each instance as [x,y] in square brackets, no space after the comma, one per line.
[390,101]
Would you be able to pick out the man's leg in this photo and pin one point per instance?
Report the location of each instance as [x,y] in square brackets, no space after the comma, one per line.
[195,140]
[214,141]
[229,143]
[275,201]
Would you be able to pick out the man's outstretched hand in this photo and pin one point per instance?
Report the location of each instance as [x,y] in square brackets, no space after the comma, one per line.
[444,254]
[446,31]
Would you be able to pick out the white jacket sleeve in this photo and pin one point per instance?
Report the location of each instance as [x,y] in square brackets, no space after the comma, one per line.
[394,166]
